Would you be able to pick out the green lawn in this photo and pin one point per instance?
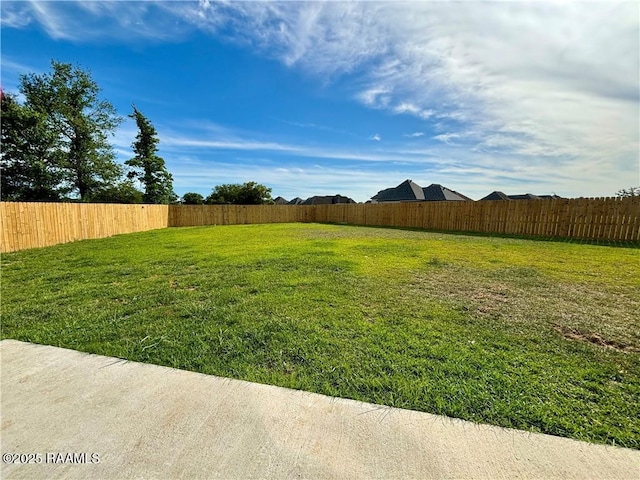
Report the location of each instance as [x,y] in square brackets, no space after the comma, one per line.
[542,336]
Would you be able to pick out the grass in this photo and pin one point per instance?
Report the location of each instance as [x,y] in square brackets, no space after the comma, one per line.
[540,336]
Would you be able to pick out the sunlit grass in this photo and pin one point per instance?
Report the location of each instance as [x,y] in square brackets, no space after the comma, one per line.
[543,336]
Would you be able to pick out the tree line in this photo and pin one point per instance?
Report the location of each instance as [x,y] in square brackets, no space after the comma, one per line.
[55,147]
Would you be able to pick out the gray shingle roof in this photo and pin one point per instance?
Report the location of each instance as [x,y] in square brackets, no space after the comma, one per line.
[525,196]
[327,200]
[495,195]
[409,191]
[436,192]
[406,191]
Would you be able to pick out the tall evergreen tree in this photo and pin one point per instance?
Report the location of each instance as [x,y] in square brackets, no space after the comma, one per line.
[149,168]
[68,100]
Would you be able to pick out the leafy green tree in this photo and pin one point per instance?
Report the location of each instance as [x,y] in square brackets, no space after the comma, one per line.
[191,198]
[123,192]
[67,99]
[250,193]
[227,193]
[29,156]
[151,170]
[629,192]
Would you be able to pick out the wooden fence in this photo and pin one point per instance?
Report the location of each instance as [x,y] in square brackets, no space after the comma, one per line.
[614,219]
[196,215]
[29,225]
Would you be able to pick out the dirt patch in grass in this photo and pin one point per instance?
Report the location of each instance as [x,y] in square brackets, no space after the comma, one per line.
[594,338]
[524,300]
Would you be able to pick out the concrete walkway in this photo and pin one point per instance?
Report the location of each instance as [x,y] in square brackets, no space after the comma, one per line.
[145,421]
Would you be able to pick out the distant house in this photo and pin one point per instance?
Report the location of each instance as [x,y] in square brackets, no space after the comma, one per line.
[295,201]
[280,201]
[496,195]
[546,197]
[327,200]
[437,193]
[524,196]
[409,191]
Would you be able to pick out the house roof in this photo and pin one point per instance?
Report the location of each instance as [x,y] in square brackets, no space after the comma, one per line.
[280,201]
[406,191]
[295,201]
[436,192]
[496,195]
[409,191]
[525,196]
[327,200]
[549,196]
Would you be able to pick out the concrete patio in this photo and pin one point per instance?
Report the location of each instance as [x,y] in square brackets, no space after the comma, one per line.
[121,419]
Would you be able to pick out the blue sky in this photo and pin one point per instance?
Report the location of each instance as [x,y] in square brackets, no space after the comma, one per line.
[319,98]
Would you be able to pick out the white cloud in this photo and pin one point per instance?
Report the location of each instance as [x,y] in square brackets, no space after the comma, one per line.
[447,137]
[82,21]
[18,16]
[407,108]
[530,78]
[414,134]
[412,109]
[376,137]
[375,97]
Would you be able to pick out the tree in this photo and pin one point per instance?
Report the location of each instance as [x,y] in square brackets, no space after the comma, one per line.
[191,198]
[29,157]
[67,99]
[629,192]
[123,192]
[157,181]
[250,193]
